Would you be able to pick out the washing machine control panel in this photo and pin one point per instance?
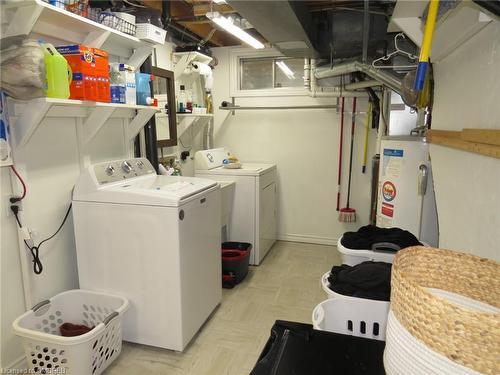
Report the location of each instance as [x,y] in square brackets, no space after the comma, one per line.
[120,170]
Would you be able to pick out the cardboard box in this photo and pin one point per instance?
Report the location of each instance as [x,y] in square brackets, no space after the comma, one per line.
[90,72]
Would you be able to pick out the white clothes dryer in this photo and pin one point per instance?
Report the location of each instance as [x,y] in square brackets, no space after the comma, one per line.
[254,213]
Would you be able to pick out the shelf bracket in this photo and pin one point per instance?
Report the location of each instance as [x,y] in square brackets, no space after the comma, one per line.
[139,56]
[95,121]
[187,122]
[96,38]
[140,119]
[28,120]
[181,65]
[23,21]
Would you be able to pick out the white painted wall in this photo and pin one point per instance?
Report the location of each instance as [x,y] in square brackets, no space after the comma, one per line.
[49,164]
[304,144]
[468,185]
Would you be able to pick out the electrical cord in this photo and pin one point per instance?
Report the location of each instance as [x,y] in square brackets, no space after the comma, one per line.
[35,250]
[18,199]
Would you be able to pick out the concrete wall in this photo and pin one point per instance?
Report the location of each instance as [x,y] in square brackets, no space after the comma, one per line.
[50,166]
[468,185]
[304,144]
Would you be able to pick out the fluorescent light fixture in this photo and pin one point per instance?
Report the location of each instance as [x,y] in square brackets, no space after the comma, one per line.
[235,30]
[285,69]
[219,1]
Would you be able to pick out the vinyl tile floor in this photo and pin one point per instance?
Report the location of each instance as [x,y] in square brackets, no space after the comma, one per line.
[285,286]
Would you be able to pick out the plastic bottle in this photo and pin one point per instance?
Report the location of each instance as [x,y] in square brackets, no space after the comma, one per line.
[182,99]
[208,102]
[189,101]
[58,74]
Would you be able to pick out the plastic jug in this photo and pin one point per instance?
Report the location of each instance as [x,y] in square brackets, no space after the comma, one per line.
[58,73]
[143,90]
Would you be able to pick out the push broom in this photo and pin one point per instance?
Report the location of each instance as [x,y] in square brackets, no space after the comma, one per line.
[348,214]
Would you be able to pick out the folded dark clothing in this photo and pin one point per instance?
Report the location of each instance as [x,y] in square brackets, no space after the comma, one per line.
[369,235]
[371,280]
[70,329]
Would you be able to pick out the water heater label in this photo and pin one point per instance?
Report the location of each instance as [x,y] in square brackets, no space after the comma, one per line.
[393,152]
[387,209]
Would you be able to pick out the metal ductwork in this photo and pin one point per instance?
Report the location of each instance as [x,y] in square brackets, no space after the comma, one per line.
[285,24]
[384,78]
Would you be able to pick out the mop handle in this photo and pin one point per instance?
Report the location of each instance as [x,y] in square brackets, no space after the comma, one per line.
[425,50]
[352,147]
[340,152]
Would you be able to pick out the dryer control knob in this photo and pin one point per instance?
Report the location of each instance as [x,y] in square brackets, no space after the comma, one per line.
[140,164]
[110,170]
[127,167]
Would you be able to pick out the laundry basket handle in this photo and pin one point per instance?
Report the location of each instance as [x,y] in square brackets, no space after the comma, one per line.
[110,317]
[385,247]
[40,305]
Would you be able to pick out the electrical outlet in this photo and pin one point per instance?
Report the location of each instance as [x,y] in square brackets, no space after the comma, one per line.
[18,204]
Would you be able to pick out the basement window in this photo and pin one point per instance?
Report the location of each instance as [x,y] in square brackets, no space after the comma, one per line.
[271,73]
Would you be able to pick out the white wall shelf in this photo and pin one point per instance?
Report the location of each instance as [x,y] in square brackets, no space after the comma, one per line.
[453,29]
[183,59]
[26,116]
[38,17]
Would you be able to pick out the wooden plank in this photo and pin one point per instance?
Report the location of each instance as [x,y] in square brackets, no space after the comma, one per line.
[155,4]
[488,136]
[453,139]
[202,9]
[179,9]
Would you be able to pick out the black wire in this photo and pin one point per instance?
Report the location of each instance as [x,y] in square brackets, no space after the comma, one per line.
[35,250]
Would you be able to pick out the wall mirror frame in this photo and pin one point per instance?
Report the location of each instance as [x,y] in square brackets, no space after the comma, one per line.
[163,89]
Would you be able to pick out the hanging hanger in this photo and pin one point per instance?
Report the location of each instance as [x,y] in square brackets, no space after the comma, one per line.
[397,51]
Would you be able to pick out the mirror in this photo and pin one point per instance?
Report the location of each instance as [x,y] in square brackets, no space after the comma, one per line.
[163,90]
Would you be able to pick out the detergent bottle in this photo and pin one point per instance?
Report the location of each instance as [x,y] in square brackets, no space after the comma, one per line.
[58,73]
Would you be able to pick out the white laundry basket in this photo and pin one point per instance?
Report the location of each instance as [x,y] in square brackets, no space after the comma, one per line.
[351,257]
[48,352]
[352,316]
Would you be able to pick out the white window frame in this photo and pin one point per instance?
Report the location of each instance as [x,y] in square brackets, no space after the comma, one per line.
[235,57]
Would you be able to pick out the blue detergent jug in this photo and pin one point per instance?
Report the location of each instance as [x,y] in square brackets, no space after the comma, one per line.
[143,90]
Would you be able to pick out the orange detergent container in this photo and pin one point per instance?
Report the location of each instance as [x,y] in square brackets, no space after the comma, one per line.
[90,72]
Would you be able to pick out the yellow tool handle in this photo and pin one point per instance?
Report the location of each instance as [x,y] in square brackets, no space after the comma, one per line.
[425,50]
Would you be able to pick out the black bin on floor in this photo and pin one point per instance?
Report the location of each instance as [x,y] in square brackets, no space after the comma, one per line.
[297,348]
[235,259]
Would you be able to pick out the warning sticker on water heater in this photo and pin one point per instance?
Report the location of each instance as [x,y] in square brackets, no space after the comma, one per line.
[392,162]
[388,191]
[387,209]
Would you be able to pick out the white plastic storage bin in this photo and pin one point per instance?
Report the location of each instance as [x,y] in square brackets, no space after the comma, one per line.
[351,257]
[352,316]
[49,352]
[150,33]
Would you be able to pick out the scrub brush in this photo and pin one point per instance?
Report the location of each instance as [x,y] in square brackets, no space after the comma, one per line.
[348,214]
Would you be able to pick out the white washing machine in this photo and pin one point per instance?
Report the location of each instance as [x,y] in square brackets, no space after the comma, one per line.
[254,213]
[153,239]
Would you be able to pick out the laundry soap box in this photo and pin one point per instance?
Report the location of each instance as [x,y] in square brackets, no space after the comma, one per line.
[90,68]
[123,86]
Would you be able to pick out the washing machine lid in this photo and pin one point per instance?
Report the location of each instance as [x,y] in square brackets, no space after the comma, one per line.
[139,186]
[247,169]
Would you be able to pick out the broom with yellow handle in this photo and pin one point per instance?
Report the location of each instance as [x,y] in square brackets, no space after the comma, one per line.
[348,214]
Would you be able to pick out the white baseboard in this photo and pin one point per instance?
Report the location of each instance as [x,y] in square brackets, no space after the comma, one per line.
[308,239]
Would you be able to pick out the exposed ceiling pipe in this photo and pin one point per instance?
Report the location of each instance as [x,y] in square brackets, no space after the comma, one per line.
[362,84]
[384,78]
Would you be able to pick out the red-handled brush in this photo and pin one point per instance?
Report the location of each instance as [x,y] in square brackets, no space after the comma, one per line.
[348,214]
[340,152]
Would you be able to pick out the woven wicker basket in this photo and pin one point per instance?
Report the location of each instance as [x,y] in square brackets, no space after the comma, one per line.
[464,335]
